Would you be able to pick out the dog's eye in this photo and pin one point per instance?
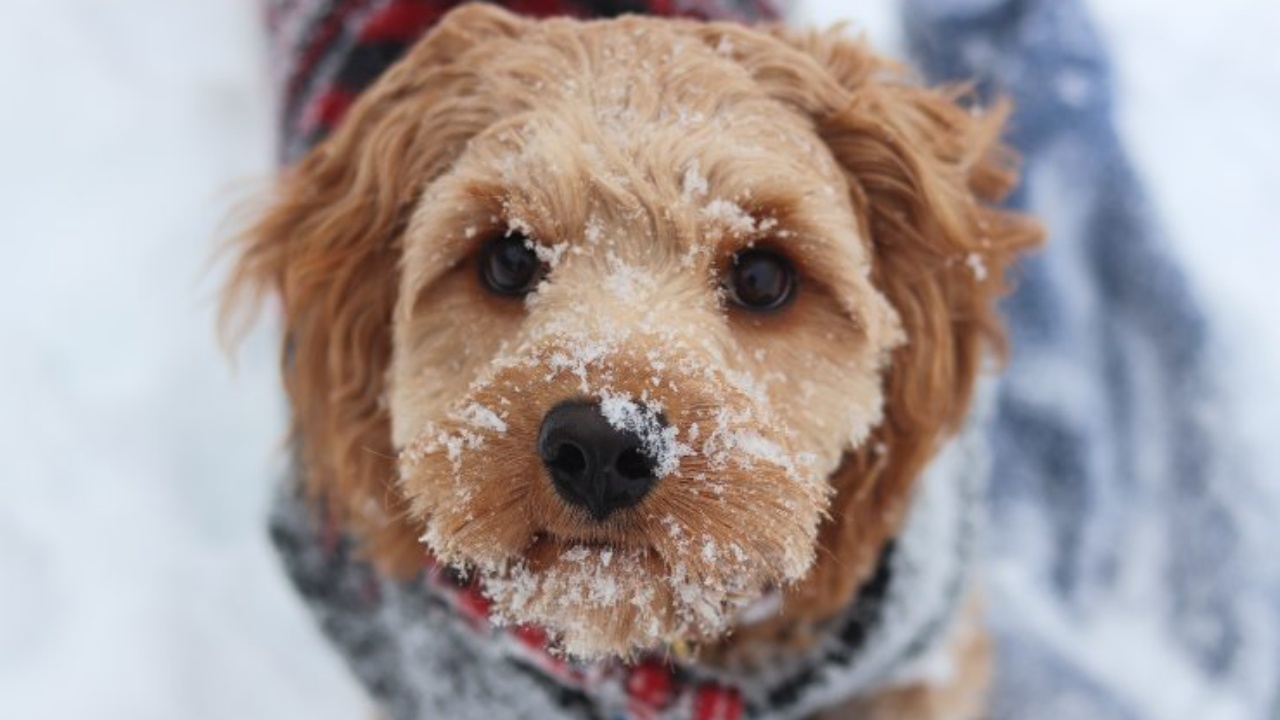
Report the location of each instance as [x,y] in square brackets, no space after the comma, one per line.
[509,266]
[761,280]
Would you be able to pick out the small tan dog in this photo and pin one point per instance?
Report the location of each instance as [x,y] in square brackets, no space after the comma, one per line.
[646,324]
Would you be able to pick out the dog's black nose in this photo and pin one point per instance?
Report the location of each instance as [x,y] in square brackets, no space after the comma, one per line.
[594,465]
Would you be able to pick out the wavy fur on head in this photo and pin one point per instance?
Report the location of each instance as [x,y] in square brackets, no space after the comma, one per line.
[639,155]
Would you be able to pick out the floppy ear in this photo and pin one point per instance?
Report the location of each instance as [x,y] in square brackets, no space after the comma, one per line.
[926,174]
[329,244]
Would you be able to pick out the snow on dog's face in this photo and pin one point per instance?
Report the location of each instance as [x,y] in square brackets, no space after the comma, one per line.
[612,314]
[688,264]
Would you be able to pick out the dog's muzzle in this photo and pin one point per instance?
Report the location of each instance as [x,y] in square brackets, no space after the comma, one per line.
[593,464]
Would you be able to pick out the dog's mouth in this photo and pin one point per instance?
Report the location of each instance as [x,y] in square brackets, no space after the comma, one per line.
[618,589]
[547,548]
[623,558]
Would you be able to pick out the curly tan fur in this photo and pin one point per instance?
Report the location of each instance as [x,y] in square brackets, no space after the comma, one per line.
[640,155]
[924,173]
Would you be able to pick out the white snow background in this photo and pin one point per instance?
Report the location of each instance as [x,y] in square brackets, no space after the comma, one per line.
[136,581]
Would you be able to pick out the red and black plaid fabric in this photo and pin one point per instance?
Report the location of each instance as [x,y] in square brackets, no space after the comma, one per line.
[329,51]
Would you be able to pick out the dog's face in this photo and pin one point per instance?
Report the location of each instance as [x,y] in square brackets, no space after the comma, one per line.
[614,296]
[636,334]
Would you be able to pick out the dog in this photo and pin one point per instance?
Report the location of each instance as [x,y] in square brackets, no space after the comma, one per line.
[624,359]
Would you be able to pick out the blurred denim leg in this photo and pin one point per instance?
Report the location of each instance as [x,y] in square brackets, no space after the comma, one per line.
[1130,574]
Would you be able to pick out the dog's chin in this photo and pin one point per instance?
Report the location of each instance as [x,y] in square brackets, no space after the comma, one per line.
[601,599]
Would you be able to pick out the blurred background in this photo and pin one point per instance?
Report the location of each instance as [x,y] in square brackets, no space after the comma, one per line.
[135,463]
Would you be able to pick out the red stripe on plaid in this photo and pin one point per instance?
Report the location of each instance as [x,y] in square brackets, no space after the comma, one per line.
[650,685]
[717,702]
[327,109]
[661,7]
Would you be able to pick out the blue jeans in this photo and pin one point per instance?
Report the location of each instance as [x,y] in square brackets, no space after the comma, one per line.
[1119,541]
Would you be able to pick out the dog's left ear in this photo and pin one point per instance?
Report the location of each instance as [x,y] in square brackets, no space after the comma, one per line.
[328,245]
[926,173]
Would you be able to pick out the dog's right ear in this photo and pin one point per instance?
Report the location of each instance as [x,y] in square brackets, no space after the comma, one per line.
[926,175]
[328,245]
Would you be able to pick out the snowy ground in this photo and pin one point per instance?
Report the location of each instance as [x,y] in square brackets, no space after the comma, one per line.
[135,579]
